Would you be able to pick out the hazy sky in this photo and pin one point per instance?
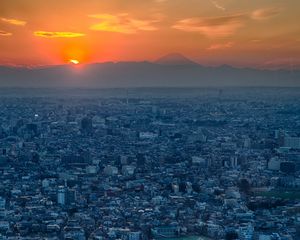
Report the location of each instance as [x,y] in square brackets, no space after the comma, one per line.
[257,33]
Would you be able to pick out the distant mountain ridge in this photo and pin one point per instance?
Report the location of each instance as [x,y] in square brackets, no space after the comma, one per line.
[175,59]
[173,70]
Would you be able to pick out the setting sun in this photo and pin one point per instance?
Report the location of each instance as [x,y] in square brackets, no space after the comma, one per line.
[74,61]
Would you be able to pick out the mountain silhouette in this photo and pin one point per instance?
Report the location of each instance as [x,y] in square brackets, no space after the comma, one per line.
[174,59]
[146,74]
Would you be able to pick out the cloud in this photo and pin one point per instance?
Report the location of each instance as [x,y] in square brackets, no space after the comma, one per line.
[224,25]
[217,5]
[14,21]
[220,46]
[58,34]
[6,34]
[121,23]
[212,27]
[265,13]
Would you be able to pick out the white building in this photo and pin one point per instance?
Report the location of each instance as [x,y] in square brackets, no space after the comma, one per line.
[147,135]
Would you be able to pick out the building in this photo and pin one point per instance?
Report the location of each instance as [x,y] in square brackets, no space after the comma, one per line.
[86,125]
[111,170]
[2,203]
[274,164]
[134,235]
[66,196]
[61,195]
[292,142]
[165,232]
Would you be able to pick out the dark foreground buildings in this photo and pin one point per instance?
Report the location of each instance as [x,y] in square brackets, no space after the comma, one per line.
[221,166]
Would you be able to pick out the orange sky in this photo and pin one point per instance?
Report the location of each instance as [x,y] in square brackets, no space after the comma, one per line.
[256,33]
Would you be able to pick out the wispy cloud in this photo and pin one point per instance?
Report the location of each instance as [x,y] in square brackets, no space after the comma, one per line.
[121,23]
[4,33]
[12,21]
[217,5]
[265,13]
[45,34]
[220,46]
[212,27]
[224,25]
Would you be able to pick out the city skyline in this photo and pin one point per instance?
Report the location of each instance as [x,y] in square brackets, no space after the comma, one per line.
[149,120]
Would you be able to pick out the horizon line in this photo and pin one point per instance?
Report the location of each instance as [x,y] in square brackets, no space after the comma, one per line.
[47,66]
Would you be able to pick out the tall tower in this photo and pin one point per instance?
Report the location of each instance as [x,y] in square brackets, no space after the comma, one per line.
[127,98]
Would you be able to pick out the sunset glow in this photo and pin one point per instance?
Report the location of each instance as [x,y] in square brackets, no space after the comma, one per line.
[258,33]
[74,61]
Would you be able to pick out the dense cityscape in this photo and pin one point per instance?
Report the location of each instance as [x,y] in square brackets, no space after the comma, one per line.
[150,164]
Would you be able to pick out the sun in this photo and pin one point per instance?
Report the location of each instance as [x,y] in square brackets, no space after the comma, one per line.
[74,61]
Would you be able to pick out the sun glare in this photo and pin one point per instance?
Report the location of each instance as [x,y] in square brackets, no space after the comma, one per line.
[74,61]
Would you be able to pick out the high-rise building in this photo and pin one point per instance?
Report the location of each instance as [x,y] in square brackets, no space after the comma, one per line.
[61,195]
[71,196]
[66,196]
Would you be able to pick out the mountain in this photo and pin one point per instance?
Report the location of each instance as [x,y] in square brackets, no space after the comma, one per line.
[145,74]
[174,59]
